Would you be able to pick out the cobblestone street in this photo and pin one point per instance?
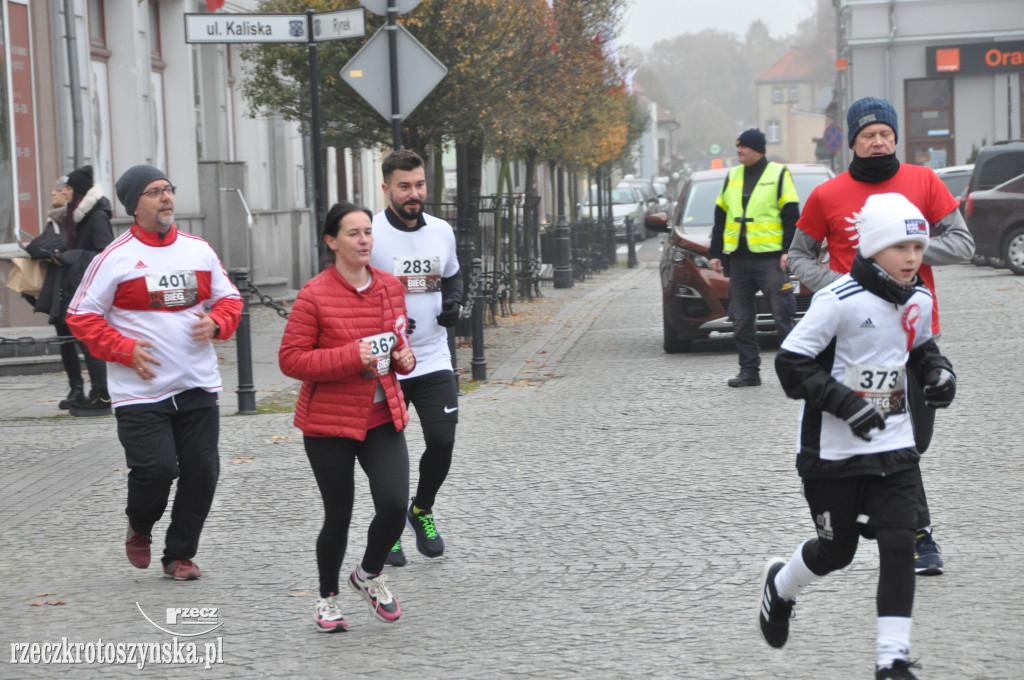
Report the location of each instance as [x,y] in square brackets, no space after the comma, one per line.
[607,515]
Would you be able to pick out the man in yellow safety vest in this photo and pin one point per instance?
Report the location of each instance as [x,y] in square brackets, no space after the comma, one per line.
[755,219]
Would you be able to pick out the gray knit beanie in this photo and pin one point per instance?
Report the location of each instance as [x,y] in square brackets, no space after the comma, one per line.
[134,181]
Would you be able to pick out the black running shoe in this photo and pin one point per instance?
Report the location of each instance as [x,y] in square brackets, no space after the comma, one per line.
[428,541]
[773,613]
[899,670]
[927,556]
[396,558]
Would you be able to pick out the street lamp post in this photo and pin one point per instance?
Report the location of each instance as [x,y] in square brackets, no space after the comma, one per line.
[563,269]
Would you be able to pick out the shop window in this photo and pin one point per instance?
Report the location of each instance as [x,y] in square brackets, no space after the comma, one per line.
[929,120]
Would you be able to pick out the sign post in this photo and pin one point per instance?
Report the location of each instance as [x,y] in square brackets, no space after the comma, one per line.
[310,28]
[420,74]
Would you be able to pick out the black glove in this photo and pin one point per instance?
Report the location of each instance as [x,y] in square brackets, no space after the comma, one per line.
[939,387]
[411,326]
[861,415]
[450,310]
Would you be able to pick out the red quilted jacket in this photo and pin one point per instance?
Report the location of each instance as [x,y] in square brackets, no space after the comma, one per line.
[320,346]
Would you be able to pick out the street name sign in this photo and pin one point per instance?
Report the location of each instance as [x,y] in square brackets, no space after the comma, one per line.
[245,28]
[345,23]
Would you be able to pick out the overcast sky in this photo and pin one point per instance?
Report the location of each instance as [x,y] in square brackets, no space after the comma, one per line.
[648,21]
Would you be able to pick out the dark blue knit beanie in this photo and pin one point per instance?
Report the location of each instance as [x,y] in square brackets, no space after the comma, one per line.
[752,139]
[869,110]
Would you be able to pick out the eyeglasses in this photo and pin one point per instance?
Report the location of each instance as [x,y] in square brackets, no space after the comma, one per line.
[156,191]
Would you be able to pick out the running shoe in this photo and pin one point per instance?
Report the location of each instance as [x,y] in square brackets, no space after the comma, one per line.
[182,570]
[328,615]
[773,612]
[927,556]
[428,542]
[396,558]
[375,591]
[899,670]
[136,546]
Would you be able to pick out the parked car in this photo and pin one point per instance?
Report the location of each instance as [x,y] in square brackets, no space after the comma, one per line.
[626,201]
[695,298]
[649,196]
[661,190]
[956,178]
[995,205]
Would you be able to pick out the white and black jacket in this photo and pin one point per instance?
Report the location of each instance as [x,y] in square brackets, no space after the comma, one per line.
[860,335]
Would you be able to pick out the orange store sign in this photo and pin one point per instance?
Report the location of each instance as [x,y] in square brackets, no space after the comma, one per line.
[976,58]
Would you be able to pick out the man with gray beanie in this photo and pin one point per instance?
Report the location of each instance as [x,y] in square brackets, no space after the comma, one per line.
[830,213]
[150,304]
[755,218]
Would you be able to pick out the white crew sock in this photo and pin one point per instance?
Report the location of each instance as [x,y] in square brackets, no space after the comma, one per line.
[792,578]
[893,639]
[363,574]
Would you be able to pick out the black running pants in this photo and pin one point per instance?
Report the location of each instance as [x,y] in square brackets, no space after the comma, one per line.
[385,460]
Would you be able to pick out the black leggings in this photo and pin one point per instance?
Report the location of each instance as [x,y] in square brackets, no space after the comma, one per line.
[73,367]
[385,460]
[923,418]
[896,578]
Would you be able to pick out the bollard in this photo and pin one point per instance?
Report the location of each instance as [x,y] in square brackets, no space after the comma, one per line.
[479,363]
[243,342]
[630,243]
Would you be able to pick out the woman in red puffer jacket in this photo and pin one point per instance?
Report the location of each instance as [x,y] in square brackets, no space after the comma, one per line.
[346,337]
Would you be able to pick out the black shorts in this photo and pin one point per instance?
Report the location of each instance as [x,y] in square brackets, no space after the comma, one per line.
[862,503]
[435,396]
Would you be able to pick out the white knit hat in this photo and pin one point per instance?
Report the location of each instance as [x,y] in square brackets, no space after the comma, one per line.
[888,219]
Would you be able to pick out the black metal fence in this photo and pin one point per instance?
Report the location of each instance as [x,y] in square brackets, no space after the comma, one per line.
[516,251]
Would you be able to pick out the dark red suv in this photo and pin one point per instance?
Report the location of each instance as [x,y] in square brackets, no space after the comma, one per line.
[695,298]
[995,205]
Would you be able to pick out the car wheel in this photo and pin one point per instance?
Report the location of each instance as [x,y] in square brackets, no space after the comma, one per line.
[1013,251]
[673,344]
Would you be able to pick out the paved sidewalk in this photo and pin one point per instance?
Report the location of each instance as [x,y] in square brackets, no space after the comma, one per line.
[607,515]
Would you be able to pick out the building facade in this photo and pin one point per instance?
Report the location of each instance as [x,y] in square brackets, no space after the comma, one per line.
[114,83]
[789,109]
[953,69]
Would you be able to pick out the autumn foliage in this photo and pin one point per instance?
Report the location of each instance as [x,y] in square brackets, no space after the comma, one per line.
[523,79]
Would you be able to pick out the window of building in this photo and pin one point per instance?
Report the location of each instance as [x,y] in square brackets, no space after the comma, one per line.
[773,135]
[929,121]
[794,93]
[154,28]
[97,24]
[1020,113]
[7,217]
[103,164]
[156,77]
[776,95]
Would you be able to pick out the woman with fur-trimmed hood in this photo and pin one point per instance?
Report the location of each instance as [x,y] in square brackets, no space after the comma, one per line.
[86,231]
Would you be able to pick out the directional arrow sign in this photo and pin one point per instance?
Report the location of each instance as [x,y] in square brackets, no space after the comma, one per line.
[367,72]
[245,28]
[346,23]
